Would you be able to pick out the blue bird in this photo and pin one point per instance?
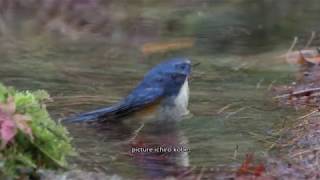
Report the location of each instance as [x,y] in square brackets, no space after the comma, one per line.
[163,94]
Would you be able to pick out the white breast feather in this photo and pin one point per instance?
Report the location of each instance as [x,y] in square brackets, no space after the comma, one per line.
[179,108]
[182,99]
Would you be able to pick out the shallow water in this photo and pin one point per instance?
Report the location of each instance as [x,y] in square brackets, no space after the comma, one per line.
[232,108]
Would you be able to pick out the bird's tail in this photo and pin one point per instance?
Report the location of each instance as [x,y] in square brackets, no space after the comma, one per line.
[92,116]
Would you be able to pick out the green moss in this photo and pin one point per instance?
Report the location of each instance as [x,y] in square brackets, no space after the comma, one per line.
[51,144]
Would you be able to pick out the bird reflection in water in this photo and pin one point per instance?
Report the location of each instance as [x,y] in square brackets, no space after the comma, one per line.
[157,150]
[160,151]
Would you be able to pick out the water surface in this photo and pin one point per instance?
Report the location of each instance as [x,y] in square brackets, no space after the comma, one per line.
[236,44]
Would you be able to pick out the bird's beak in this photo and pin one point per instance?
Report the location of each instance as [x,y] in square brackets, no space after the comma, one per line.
[195,64]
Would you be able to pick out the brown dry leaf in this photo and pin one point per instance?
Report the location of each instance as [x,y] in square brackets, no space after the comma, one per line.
[302,56]
[175,44]
[313,60]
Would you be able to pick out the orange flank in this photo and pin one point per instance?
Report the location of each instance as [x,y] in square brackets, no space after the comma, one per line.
[148,111]
[175,44]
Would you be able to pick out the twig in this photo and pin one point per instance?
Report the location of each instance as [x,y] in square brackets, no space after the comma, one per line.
[259,83]
[199,177]
[235,112]
[235,154]
[304,152]
[240,66]
[295,40]
[221,110]
[136,132]
[307,115]
[271,84]
[296,93]
[261,138]
[313,34]
[272,146]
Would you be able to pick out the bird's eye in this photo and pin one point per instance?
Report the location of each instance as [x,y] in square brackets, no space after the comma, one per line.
[181,66]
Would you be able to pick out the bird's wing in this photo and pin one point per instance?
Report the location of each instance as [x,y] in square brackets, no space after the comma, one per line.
[137,100]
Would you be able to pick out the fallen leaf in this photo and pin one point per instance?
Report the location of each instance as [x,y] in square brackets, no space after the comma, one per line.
[313,60]
[302,56]
[248,168]
[259,170]
[245,166]
[175,44]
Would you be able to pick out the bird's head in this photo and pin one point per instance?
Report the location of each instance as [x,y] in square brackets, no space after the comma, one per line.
[170,75]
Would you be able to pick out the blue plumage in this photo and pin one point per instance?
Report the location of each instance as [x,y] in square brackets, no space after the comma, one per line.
[162,84]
